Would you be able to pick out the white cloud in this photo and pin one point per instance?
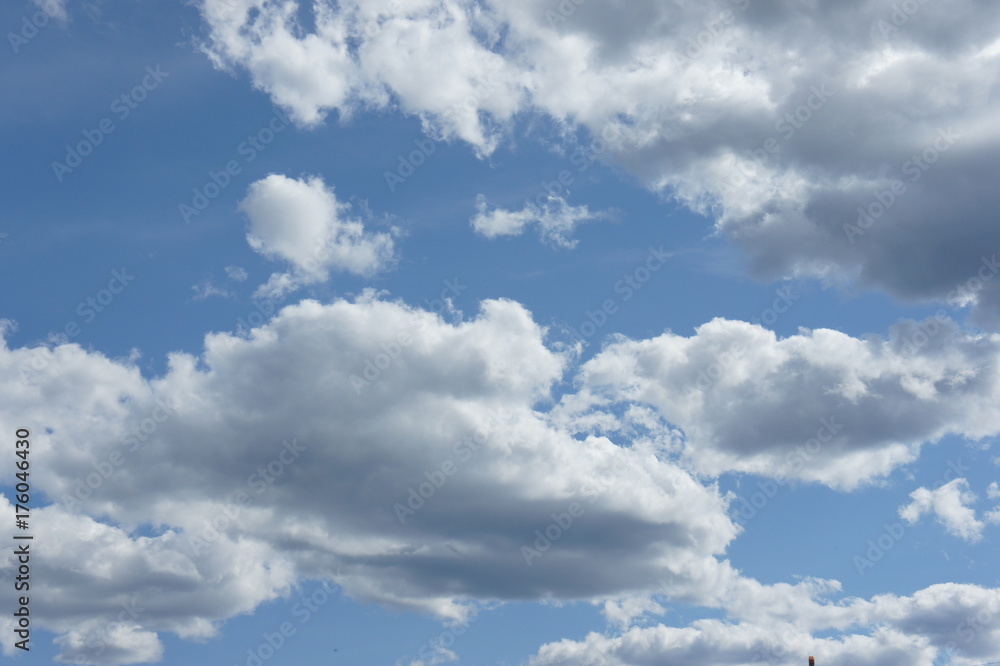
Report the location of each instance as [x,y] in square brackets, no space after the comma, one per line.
[207,289]
[993,492]
[555,219]
[949,505]
[301,222]
[341,415]
[382,398]
[778,125]
[817,406]
[54,8]
[717,643]
[889,630]
[236,273]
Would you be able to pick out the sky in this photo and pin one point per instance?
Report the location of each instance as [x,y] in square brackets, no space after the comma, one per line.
[530,332]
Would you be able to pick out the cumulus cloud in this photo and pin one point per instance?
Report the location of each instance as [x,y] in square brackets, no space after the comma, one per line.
[834,141]
[302,223]
[717,643]
[949,504]
[555,219]
[414,465]
[941,621]
[403,452]
[817,406]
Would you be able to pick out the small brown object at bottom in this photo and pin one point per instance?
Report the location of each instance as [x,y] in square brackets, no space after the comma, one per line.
[812,661]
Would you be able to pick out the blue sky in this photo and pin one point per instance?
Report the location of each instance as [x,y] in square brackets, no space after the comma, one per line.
[366,228]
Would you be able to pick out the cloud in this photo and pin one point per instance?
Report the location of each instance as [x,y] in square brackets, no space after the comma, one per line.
[948,504]
[717,643]
[54,8]
[556,220]
[207,289]
[917,630]
[840,142]
[302,223]
[236,273]
[405,454]
[414,465]
[993,492]
[817,406]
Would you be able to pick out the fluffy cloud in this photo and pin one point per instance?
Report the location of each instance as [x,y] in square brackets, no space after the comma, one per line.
[301,222]
[817,406]
[555,219]
[993,492]
[717,643]
[413,465]
[950,620]
[949,504]
[404,453]
[781,123]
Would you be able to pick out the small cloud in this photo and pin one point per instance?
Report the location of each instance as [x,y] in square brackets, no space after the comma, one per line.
[993,517]
[54,8]
[556,220]
[302,223]
[949,504]
[236,273]
[207,289]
